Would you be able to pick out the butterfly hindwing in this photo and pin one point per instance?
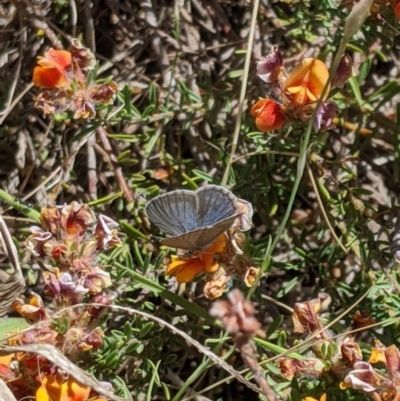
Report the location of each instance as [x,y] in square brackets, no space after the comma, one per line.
[200,238]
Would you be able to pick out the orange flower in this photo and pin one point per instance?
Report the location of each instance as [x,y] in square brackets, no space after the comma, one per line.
[53,388]
[186,270]
[268,115]
[53,69]
[306,81]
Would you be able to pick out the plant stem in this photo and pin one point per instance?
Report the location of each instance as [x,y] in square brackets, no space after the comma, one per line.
[18,204]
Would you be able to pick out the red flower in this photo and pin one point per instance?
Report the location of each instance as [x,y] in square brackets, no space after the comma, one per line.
[268,115]
[53,70]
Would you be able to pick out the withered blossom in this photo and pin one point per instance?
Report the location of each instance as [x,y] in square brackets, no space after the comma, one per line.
[343,72]
[360,320]
[270,69]
[34,311]
[72,289]
[250,275]
[96,280]
[217,283]
[107,233]
[308,367]
[244,221]
[105,297]
[81,339]
[36,243]
[82,56]
[43,335]
[237,315]
[305,319]
[68,243]
[365,378]
[325,115]
[67,222]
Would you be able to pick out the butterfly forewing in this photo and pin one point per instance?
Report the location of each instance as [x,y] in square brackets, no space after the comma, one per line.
[215,204]
[200,238]
[175,213]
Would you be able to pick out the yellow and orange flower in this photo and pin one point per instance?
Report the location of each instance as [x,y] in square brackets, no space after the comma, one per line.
[186,269]
[306,82]
[53,70]
[294,96]
[268,115]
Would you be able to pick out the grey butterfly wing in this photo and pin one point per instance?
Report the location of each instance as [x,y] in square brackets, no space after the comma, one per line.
[175,213]
[215,204]
[200,238]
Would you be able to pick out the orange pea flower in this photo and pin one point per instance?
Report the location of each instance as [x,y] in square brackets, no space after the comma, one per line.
[53,388]
[268,115]
[185,269]
[53,70]
[306,81]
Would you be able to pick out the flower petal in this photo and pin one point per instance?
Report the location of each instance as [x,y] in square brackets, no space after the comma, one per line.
[185,270]
[52,70]
[306,82]
[268,115]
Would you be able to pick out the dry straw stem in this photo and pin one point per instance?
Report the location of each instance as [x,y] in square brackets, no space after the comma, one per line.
[321,206]
[243,91]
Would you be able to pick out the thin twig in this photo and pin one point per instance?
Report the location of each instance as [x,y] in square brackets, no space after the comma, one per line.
[264,152]
[280,304]
[102,134]
[321,206]
[243,91]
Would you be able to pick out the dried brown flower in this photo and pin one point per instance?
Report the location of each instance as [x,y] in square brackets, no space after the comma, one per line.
[237,315]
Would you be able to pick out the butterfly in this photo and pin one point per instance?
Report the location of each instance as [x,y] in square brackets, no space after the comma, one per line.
[193,219]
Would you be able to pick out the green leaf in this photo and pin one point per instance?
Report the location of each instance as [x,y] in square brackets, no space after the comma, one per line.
[145,329]
[132,231]
[9,325]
